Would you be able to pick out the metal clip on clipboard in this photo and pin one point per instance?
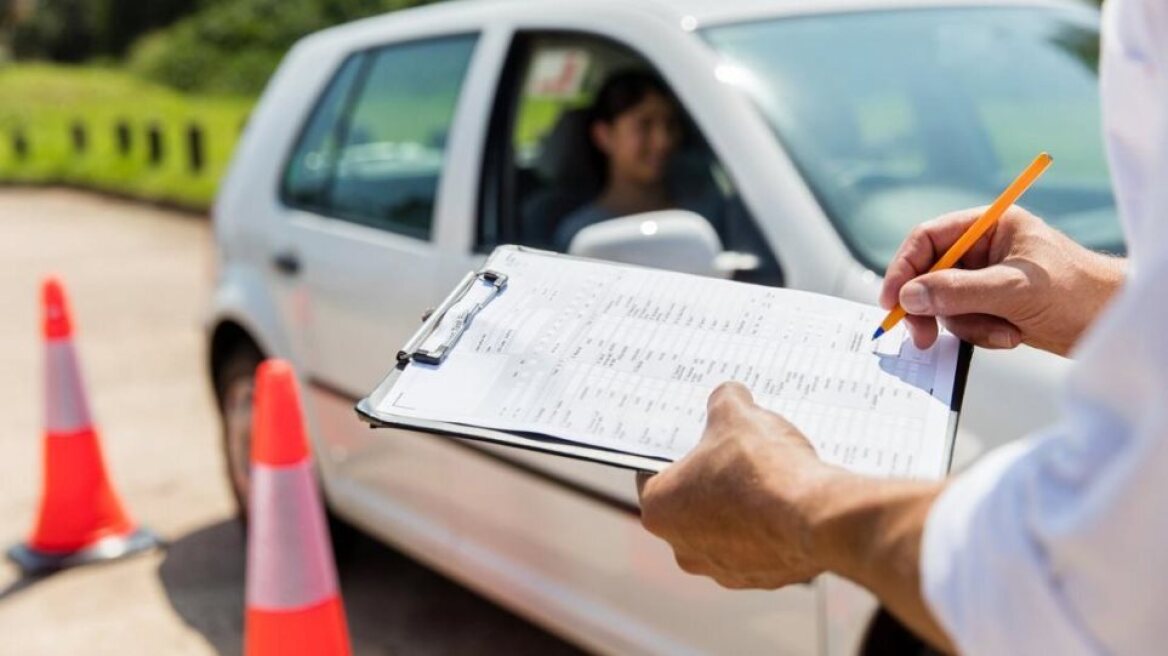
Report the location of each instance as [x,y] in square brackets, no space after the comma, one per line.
[447,327]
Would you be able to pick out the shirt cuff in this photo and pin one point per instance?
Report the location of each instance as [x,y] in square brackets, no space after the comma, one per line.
[987,582]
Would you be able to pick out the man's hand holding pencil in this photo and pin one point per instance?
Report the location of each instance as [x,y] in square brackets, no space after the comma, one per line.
[1023,283]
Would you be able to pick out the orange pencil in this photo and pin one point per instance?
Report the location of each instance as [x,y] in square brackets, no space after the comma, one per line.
[977,230]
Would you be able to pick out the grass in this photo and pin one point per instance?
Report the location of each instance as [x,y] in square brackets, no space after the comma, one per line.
[44,102]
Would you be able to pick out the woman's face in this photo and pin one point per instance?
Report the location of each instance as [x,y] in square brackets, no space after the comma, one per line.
[640,141]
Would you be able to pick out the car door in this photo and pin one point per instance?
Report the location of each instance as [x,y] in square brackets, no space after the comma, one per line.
[358,244]
[575,523]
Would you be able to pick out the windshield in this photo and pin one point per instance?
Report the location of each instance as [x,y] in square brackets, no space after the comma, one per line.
[895,117]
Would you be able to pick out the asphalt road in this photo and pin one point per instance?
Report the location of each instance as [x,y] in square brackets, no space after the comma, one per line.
[138,278]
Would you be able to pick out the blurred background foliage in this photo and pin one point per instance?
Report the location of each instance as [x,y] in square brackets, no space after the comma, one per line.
[136,78]
[232,46]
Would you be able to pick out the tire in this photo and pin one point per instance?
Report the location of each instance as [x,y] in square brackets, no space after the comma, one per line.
[234,389]
[234,386]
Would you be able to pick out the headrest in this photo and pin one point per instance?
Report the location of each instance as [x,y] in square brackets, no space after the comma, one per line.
[565,157]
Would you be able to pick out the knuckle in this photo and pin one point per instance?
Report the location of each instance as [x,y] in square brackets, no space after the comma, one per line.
[651,511]
[724,399]
[941,289]
[719,406]
[642,481]
[920,231]
[953,291]
[1019,213]
[688,564]
[1014,279]
[656,514]
[651,518]
[732,582]
[729,388]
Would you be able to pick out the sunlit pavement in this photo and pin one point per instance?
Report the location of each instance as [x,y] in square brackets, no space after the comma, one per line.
[138,278]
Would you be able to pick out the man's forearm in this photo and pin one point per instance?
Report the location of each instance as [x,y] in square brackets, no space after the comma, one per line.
[869,530]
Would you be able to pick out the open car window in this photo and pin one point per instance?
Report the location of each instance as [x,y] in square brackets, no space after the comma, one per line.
[541,166]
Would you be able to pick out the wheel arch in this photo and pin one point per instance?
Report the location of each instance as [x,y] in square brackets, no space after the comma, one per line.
[226,337]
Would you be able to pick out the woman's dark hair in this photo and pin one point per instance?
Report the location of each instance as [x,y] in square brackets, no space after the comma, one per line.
[623,91]
[620,92]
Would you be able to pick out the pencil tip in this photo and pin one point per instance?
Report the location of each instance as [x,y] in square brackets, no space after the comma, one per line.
[878,333]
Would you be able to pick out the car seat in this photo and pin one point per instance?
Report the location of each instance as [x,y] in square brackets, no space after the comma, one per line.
[571,175]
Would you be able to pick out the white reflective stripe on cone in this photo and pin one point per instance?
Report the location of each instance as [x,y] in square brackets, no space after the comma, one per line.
[66,410]
[289,558]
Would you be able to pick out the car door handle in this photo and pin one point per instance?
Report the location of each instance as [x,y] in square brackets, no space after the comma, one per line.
[287,263]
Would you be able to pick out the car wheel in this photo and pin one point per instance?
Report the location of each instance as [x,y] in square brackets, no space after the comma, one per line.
[235,388]
[235,385]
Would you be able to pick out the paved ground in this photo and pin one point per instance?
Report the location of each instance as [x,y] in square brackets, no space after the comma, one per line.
[138,278]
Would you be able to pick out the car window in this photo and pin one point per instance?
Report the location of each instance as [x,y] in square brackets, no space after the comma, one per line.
[385,152]
[543,172]
[307,175]
[897,116]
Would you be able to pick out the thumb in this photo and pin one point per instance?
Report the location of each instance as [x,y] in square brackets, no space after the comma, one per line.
[992,290]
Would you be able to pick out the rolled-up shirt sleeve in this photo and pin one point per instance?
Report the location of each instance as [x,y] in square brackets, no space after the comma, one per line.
[987,580]
[1058,544]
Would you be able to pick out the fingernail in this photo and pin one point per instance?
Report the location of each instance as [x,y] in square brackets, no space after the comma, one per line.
[1001,338]
[914,298]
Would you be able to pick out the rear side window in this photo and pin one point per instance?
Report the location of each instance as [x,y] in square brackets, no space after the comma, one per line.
[307,177]
[373,151]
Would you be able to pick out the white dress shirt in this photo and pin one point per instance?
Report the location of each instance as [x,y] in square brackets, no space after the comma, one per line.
[1058,544]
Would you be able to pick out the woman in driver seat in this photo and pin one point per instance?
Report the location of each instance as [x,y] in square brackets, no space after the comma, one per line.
[635,128]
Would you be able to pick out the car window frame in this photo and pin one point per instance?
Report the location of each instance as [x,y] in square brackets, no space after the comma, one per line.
[498,150]
[367,55]
[318,102]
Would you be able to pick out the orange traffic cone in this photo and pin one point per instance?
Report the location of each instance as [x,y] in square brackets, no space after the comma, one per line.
[81,518]
[293,603]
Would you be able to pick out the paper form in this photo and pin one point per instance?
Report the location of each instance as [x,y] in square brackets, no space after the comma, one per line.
[624,358]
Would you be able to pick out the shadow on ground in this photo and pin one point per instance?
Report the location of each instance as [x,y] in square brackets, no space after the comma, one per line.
[394,605]
[203,577]
[24,582]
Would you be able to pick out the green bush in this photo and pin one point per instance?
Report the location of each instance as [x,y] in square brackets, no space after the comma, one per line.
[232,46]
[203,70]
[78,30]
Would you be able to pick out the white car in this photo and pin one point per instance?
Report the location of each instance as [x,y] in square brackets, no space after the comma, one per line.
[388,156]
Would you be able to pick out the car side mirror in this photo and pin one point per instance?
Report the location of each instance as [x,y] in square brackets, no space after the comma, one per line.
[677,240]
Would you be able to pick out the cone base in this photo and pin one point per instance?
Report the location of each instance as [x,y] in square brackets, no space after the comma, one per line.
[34,561]
[317,630]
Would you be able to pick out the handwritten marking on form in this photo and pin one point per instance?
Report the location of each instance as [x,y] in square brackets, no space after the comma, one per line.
[625,358]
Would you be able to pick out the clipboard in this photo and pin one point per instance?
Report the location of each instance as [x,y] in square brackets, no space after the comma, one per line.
[430,346]
[419,349]
[527,441]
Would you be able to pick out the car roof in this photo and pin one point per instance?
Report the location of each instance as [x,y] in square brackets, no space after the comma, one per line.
[685,14]
[705,12]
[699,13]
